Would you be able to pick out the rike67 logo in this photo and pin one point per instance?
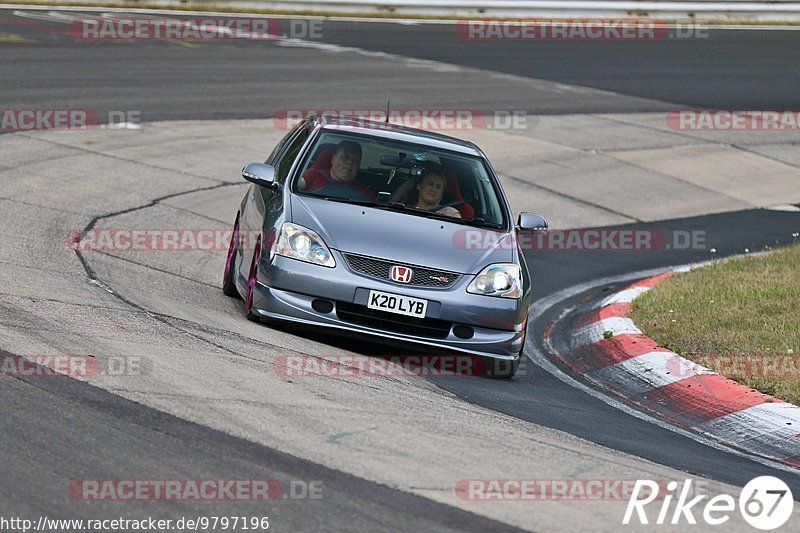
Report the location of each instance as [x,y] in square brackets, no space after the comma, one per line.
[765,503]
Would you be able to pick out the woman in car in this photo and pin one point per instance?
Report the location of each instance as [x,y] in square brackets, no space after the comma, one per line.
[427,191]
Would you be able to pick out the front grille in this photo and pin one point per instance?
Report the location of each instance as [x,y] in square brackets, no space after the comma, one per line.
[420,327]
[421,276]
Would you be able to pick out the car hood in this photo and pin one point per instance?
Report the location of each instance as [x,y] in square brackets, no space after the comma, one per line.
[402,237]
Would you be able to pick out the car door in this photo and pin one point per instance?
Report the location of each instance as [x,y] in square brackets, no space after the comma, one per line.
[262,210]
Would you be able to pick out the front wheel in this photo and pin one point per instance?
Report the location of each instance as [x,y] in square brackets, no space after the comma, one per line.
[251,284]
[501,368]
[229,278]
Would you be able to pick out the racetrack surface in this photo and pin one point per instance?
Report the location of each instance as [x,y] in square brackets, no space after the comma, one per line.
[202,362]
[728,69]
[92,434]
[211,396]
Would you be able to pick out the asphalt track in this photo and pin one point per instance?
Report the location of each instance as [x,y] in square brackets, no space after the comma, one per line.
[535,397]
[123,435]
[730,69]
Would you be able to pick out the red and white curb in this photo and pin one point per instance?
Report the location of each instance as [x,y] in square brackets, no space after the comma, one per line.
[631,365]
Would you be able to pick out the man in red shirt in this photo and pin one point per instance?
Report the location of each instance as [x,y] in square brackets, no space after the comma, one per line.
[344,169]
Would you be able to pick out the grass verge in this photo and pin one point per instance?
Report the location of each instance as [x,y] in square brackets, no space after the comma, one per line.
[739,317]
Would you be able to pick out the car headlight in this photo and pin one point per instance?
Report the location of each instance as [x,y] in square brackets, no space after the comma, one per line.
[500,279]
[304,244]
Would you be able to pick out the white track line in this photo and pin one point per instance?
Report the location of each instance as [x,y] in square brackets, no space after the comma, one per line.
[625,296]
[646,372]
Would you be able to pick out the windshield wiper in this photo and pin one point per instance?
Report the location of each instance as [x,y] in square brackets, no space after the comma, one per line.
[403,208]
[347,200]
[393,205]
[476,221]
[396,206]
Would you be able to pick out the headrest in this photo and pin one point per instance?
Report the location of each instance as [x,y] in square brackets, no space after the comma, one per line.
[323,159]
[453,190]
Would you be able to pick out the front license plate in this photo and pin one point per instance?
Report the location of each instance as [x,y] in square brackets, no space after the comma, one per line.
[394,303]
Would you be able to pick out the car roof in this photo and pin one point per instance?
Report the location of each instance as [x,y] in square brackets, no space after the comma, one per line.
[395,132]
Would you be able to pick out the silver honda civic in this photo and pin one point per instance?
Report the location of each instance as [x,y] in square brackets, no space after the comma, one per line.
[372,229]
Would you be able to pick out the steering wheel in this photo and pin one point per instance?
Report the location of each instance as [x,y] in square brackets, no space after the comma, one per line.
[453,204]
[344,191]
[460,202]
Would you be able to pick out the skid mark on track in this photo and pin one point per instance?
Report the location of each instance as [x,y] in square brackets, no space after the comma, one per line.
[336,438]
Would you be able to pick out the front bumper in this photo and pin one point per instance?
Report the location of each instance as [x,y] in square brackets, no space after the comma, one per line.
[286,289]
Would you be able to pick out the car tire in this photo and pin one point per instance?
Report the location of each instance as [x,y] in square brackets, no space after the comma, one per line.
[501,368]
[229,277]
[251,284]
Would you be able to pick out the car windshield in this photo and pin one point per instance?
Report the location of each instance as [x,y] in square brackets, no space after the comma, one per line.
[406,177]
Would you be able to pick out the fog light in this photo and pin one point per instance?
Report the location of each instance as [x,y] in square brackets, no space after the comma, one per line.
[322,306]
[463,332]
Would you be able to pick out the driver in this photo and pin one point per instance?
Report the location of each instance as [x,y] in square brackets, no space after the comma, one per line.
[344,169]
[427,191]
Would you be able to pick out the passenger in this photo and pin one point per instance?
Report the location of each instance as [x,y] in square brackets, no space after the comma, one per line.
[344,169]
[427,191]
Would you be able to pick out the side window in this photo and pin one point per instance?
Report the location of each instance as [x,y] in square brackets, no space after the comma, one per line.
[278,147]
[283,165]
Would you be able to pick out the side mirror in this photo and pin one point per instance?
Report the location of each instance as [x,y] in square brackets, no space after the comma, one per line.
[260,174]
[531,221]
